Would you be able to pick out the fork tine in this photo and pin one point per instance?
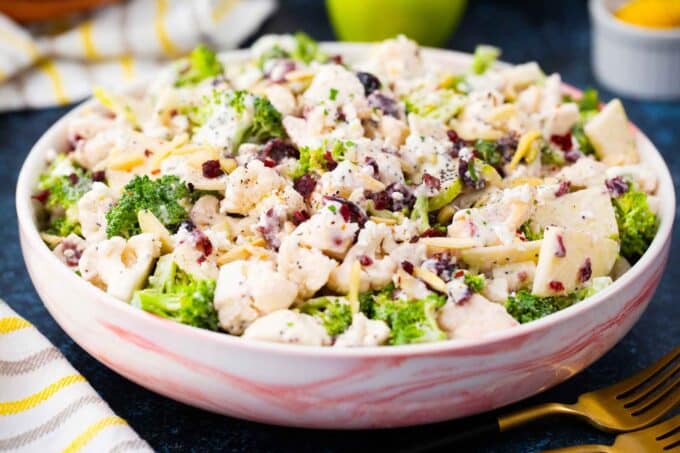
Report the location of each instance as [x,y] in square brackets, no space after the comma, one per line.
[663,403]
[632,384]
[655,384]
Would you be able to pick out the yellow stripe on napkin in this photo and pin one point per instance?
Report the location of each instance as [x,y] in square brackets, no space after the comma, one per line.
[14,407]
[87,435]
[88,40]
[159,23]
[12,323]
[50,69]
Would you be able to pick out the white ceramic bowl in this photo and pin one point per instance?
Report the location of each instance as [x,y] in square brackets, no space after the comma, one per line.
[631,60]
[338,388]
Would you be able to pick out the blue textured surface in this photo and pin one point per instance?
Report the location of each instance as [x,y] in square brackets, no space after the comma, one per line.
[554,33]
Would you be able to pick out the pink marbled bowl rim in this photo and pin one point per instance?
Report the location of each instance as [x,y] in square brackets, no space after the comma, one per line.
[34,162]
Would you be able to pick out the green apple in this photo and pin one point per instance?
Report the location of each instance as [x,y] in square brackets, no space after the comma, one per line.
[429,22]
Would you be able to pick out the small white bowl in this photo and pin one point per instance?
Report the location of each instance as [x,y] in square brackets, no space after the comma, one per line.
[631,60]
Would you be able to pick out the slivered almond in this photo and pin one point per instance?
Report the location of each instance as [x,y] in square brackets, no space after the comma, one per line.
[431,279]
[148,223]
[524,180]
[259,242]
[354,285]
[240,252]
[228,164]
[450,243]
[125,162]
[51,239]
[524,148]
[385,220]
[371,183]
[502,113]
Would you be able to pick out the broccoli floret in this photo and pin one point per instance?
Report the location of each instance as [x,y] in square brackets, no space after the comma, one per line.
[176,295]
[165,197]
[484,58]
[525,307]
[266,122]
[636,221]
[203,63]
[529,232]
[552,156]
[476,283]
[588,105]
[369,299]
[442,104]
[410,321]
[307,49]
[334,313]
[320,159]
[582,139]
[489,151]
[61,186]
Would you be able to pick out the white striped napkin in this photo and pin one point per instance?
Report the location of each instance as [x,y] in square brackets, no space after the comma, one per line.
[46,405]
[113,46]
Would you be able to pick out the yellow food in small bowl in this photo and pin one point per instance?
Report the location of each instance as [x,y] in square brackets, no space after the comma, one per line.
[650,13]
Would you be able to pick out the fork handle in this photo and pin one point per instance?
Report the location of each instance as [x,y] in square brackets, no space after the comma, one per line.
[592,448]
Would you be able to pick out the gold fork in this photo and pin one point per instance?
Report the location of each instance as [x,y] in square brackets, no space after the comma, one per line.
[661,438]
[629,405]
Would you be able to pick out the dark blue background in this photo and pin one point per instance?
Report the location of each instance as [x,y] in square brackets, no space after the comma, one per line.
[556,34]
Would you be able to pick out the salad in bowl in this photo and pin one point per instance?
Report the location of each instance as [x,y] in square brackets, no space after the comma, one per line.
[299,197]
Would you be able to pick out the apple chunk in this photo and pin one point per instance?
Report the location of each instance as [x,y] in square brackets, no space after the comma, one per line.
[611,135]
[569,259]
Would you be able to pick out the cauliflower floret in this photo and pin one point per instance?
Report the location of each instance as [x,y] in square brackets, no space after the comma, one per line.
[92,209]
[247,290]
[335,87]
[641,174]
[363,332]
[474,318]
[508,278]
[327,231]
[205,212]
[343,181]
[281,98]
[473,123]
[396,59]
[370,155]
[375,246]
[190,170]
[120,266]
[496,222]
[247,185]
[309,268]
[585,172]
[286,326]
[87,126]
[394,131]
[70,249]
[194,253]
[561,119]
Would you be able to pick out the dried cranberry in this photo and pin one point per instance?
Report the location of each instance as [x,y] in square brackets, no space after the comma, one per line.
[337,59]
[99,176]
[433,233]
[42,196]
[585,271]
[269,163]
[349,211]
[444,266]
[465,169]
[561,251]
[573,155]
[331,164]
[459,273]
[369,81]
[374,165]
[365,260]
[616,186]
[522,276]
[563,141]
[203,244]
[408,267]
[212,169]
[277,150]
[305,185]
[563,188]
[556,286]
[73,179]
[457,142]
[71,253]
[385,104]
[395,197]
[147,152]
[74,141]
[431,181]
[299,216]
